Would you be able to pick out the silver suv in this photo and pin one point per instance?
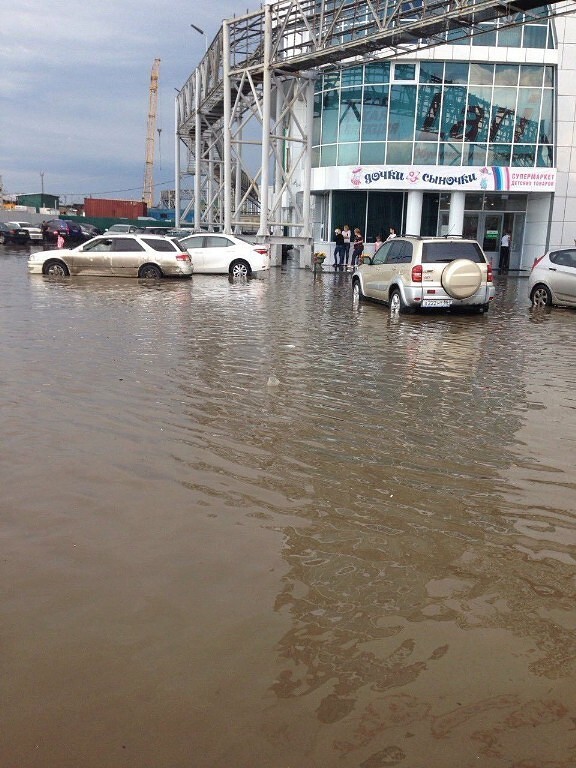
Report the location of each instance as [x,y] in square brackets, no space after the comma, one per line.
[409,273]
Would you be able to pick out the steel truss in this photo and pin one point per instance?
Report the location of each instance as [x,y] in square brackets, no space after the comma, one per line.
[259,71]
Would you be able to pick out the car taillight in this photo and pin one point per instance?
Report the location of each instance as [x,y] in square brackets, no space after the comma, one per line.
[261,251]
[538,260]
[489,274]
[182,257]
[417,274]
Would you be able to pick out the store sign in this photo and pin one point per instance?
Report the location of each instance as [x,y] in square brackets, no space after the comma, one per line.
[435,177]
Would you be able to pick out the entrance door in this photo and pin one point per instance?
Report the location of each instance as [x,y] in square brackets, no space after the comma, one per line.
[490,234]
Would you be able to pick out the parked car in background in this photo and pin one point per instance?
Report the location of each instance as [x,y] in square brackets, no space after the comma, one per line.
[214,254]
[553,279]
[89,231]
[34,232]
[10,235]
[70,231]
[116,254]
[126,228]
[409,273]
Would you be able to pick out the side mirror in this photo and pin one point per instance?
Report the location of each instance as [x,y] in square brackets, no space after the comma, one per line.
[365,260]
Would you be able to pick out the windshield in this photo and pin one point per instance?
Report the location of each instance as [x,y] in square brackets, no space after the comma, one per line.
[449,250]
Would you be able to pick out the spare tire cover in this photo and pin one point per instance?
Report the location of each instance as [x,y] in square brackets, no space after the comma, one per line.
[461,278]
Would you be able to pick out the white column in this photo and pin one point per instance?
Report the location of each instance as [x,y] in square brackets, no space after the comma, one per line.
[176,164]
[266,113]
[414,212]
[456,217]
[227,127]
[197,151]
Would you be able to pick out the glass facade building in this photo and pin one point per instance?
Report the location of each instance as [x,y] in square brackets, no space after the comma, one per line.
[485,110]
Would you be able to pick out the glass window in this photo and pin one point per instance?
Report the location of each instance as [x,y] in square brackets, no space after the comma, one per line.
[474,154]
[373,153]
[453,113]
[487,38]
[374,112]
[535,36]
[546,133]
[330,107]
[549,76]
[450,153]
[428,112]
[404,71]
[377,73]
[215,241]
[126,244]
[449,250]
[431,72]
[352,76]
[161,245]
[545,156]
[524,155]
[402,112]
[328,156]
[348,154]
[381,255]
[499,154]
[350,114]
[456,72]
[510,38]
[478,114]
[506,74]
[527,115]
[503,114]
[98,245]
[399,152]
[331,80]
[531,74]
[425,153]
[481,74]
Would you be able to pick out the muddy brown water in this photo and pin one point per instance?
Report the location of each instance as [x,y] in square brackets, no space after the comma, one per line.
[368,563]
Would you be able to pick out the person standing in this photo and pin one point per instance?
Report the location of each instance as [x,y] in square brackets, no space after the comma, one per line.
[338,249]
[347,235]
[378,243]
[392,234]
[44,228]
[504,264]
[358,248]
[60,240]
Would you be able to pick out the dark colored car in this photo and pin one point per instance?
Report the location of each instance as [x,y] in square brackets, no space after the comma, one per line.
[89,231]
[10,234]
[70,231]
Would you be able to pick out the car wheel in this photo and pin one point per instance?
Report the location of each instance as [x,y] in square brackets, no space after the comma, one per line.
[150,272]
[55,268]
[357,290]
[541,296]
[396,304]
[240,268]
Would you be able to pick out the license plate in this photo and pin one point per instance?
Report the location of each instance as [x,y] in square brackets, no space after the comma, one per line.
[430,303]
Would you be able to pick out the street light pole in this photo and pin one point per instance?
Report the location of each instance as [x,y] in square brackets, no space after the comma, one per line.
[201,31]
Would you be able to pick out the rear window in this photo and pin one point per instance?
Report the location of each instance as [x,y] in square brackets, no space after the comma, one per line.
[160,245]
[449,250]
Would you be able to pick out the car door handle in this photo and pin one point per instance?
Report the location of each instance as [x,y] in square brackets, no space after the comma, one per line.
[552,269]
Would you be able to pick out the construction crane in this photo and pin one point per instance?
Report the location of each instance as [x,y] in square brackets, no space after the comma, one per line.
[148,188]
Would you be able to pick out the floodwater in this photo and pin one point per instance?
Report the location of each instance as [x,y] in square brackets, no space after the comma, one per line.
[250,525]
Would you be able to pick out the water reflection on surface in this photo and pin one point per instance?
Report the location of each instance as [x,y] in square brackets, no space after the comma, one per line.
[368,564]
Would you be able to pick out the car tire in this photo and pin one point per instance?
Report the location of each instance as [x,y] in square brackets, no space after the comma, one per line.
[150,272]
[461,278]
[55,268]
[240,268]
[541,296]
[396,305]
[357,290]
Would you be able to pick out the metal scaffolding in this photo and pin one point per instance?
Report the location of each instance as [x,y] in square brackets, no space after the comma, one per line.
[259,71]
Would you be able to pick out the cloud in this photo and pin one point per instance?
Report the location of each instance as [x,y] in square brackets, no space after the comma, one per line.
[74,92]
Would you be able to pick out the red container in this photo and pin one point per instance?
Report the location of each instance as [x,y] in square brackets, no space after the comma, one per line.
[114,209]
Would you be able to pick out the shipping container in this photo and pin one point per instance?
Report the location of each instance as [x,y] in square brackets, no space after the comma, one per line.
[117,209]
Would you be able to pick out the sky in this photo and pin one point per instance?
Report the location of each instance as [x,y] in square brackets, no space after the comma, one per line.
[74,91]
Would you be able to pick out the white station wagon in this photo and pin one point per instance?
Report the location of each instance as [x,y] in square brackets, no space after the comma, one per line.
[118,255]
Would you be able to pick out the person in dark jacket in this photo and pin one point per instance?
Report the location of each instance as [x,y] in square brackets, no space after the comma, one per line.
[339,249]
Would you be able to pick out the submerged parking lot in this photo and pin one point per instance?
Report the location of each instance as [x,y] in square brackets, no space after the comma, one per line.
[250,524]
